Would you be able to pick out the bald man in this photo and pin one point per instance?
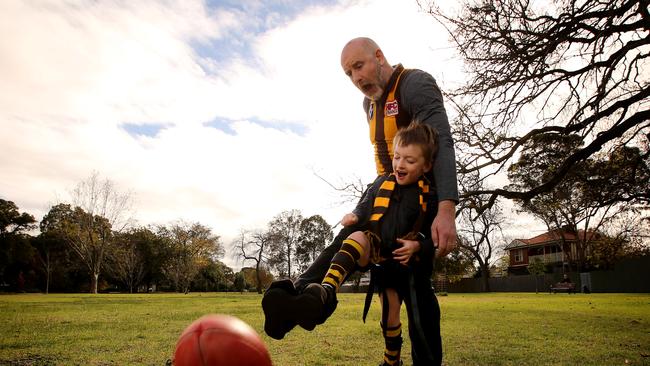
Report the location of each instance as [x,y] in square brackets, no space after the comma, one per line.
[394,97]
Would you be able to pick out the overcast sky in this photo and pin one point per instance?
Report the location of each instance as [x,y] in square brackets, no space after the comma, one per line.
[217,112]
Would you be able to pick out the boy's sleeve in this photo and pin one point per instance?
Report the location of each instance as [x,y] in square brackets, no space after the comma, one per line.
[364,207]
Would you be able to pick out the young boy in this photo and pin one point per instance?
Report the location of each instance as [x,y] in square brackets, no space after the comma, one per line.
[392,212]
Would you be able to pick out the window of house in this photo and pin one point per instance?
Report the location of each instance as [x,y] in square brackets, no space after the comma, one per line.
[519,255]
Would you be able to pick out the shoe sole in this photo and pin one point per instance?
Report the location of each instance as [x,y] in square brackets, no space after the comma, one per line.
[276,325]
[281,307]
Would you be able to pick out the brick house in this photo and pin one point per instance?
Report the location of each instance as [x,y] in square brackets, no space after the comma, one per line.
[554,248]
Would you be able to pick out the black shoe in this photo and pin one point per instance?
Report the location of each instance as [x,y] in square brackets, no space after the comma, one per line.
[325,304]
[277,322]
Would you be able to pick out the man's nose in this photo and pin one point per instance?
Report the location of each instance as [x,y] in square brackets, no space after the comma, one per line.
[356,78]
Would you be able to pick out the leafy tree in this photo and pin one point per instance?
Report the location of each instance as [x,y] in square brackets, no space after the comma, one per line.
[53,236]
[12,221]
[226,278]
[87,235]
[51,254]
[258,278]
[99,211]
[536,268]
[584,199]
[315,233]
[456,264]
[16,251]
[126,262]
[239,283]
[624,235]
[212,276]
[155,252]
[285,231]
[191,246]
[502,264]
[536,68]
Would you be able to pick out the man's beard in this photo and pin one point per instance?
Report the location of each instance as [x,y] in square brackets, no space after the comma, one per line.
[380,83]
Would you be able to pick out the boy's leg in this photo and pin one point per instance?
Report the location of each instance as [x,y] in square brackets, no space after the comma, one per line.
[354,251]
[392,330]
[278,300]
[278,320]
[285,307]
[317,270]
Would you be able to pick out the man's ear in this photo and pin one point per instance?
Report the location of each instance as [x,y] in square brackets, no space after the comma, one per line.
[380,57]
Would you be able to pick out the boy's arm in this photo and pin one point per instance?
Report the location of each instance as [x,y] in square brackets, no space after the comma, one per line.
[364,207]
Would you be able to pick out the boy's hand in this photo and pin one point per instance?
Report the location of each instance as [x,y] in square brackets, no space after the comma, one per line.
[349,219]
[403,254]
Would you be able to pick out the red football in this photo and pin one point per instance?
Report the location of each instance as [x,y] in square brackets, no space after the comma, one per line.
[220,340]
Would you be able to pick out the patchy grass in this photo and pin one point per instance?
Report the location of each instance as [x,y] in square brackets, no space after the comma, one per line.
[478,329]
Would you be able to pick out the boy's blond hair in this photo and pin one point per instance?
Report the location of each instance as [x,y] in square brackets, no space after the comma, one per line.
[419,134]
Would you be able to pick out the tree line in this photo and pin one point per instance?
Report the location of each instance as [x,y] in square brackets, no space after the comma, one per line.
[77,251]
[92,245]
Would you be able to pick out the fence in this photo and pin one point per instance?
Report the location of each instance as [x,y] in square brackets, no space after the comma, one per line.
[630,275]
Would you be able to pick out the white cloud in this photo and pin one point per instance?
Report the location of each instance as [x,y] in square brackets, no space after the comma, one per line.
[74,72]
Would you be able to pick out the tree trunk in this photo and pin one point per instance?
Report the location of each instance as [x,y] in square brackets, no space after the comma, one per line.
[486,278]
[93,283]
[48,269]
[259,278]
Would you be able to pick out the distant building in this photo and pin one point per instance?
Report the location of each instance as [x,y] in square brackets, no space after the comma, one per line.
[555,248]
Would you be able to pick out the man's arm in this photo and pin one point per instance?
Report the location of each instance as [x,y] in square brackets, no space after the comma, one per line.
[423,99]
[443,228]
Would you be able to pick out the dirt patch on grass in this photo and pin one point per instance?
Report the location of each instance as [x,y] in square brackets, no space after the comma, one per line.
[31,360]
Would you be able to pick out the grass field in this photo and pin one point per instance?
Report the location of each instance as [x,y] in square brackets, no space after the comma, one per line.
[478,329]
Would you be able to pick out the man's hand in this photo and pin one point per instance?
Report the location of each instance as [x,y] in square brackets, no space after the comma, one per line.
[443,228]
[406,251]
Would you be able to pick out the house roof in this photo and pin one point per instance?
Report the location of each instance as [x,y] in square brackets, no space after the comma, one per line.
[550,237]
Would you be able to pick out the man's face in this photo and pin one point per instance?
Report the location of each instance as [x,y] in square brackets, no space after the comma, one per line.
[364,70]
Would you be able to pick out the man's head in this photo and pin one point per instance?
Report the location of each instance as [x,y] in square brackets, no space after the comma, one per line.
[364,63]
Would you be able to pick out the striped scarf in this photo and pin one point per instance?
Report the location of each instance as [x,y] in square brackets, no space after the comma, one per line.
[382,200]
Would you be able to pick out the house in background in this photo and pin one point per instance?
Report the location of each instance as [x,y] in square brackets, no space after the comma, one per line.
[556,248]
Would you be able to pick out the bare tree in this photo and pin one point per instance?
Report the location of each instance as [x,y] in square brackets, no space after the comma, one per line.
[563,68]
[254,246]
[481,235]
[351,191]
[99,210]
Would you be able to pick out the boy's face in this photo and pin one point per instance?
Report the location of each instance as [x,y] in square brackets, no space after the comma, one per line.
[409,164]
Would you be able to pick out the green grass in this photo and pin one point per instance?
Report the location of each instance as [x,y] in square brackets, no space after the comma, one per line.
[478,329]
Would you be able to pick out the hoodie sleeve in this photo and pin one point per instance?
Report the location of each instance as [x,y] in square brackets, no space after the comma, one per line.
[364,207]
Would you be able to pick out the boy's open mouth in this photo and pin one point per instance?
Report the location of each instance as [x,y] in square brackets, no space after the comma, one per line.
[401,174]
